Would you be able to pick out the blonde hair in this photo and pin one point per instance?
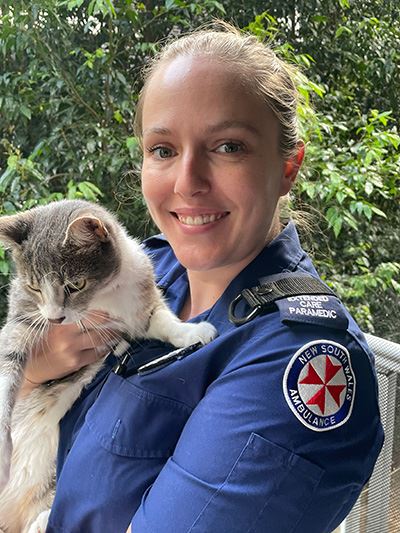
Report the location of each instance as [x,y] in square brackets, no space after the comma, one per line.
[267,76]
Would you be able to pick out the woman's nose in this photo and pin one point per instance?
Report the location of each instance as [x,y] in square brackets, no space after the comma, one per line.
[192,176]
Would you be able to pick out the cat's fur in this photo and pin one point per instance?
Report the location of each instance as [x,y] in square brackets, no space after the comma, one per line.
[56,249]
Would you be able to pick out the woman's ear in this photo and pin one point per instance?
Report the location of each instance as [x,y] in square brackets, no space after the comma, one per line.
[291,168]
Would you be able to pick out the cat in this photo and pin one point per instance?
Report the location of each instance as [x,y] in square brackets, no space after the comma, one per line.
[71,257]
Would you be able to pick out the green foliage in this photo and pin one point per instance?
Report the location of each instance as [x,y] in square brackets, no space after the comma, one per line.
[69,79]
[69,82]
[350,182]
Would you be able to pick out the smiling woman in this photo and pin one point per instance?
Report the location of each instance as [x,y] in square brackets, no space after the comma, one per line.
[274,425]
[213,171]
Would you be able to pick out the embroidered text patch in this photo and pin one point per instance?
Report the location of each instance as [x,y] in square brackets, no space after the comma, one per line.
[321,310]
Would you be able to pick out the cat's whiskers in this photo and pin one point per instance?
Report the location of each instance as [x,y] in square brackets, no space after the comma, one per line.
[109,337]
[51,273]
[114,335]
[44,341]
[113,322]
[119,324]
[90,336]
[34,331]
[24,319]
[63,269]
[41,344]
[16,321]
[42,325]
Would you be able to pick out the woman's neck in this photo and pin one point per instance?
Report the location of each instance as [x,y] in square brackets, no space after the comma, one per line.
[206,287]
[202,294]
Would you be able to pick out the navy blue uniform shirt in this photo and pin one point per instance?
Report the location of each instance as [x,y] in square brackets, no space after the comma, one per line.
[271,428]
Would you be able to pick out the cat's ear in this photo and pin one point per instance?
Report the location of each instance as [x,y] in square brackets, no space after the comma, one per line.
[14,229]
[86,230]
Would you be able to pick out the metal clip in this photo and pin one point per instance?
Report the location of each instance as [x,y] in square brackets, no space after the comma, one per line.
[242,320]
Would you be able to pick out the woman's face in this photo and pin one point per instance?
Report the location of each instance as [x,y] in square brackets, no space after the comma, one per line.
[212,171]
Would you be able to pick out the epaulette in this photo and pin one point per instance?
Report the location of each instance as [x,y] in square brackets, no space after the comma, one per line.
[299,297]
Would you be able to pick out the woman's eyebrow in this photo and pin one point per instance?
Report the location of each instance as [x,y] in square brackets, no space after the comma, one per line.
[215,128]
[158,130]
[226,124]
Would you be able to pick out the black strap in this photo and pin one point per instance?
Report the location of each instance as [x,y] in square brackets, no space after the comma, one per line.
[262,298]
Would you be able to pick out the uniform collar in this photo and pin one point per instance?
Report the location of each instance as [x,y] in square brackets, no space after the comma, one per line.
[282,254]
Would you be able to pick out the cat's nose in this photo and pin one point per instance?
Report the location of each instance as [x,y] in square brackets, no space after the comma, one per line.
[56,320]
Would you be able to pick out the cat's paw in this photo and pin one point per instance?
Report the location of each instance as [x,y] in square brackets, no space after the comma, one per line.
[5,458]
[185,334]
[40,524]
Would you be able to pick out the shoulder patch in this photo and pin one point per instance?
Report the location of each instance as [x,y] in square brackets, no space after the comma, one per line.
[319,385]
[321,310]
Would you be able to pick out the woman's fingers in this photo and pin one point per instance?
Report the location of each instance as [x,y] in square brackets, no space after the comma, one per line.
[65,348]
[91,355]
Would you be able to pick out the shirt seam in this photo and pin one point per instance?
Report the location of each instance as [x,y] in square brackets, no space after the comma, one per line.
[214,495]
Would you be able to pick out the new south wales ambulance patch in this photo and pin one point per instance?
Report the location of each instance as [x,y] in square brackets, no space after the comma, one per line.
[319,385]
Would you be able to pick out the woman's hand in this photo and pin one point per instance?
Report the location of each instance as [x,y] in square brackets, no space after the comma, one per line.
[65,348]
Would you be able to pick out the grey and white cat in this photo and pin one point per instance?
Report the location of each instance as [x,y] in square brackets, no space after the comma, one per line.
[71,257]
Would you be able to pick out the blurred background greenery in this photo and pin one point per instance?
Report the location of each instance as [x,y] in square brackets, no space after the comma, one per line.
[69,80]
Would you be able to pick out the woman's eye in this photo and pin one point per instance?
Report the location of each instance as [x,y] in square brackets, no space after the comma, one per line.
[229,148]
[33,287]
[75,286]
[162,152]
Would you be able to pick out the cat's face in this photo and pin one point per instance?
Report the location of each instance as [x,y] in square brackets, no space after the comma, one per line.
[64,254]
[63,288]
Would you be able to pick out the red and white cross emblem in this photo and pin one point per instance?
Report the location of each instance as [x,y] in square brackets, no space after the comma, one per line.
[322,385]
[319,385]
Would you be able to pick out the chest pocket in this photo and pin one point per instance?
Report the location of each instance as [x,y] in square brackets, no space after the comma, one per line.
[132,422]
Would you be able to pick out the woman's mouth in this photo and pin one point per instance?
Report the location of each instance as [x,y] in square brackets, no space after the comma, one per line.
[199,220]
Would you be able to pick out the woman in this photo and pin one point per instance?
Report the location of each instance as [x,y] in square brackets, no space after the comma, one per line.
[272,427]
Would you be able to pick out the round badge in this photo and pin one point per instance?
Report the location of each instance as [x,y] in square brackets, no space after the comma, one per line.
[319,385]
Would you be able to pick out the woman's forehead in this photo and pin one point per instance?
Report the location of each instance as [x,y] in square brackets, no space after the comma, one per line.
[193,71]
[206,89]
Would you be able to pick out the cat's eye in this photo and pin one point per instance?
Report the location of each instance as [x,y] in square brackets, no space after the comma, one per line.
[75,286]
[33,287]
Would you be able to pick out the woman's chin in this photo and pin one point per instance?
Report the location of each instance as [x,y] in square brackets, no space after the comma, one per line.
[199,260]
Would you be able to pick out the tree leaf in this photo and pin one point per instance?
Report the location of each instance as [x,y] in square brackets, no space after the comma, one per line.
[26,111]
